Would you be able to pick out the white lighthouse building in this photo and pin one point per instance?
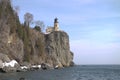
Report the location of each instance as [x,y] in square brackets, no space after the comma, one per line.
[54,28]
[56,25]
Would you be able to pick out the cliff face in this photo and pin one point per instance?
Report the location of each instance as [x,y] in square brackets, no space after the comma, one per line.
[10,44]
[37,50]
[24,44]
[57,47]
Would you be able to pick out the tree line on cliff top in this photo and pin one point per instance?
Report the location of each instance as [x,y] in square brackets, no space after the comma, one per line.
[24,33]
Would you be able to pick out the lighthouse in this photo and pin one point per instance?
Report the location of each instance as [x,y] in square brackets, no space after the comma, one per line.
[56,25]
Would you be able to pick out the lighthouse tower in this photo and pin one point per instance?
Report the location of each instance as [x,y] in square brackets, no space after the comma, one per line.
[56,25]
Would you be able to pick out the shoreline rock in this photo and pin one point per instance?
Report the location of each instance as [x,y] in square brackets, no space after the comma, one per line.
[19,68]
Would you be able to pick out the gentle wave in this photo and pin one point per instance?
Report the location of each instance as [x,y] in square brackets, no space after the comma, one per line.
[84,72]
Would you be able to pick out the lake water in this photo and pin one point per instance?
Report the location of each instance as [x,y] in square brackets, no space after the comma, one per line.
[71,73]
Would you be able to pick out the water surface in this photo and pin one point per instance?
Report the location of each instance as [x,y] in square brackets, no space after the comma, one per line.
[86,72]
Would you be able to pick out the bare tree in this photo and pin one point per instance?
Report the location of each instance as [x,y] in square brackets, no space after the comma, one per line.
[40,24]
[28,17]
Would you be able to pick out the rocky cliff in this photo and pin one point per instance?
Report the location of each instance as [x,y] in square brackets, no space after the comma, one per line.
[10,44]
[57,47]
[24,44]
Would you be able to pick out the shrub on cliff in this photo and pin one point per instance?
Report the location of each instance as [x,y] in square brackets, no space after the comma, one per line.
[37,28]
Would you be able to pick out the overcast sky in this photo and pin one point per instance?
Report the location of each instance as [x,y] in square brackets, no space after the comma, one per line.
[93,26]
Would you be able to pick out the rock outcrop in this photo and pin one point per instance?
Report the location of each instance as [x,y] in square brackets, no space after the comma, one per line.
[58,49]
[4,57]
[24,44]
[37,47]
[10,43]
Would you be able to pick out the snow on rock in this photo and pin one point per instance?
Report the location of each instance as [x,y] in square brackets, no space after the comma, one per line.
[36,66]
[11,63]
[24,67]
[39,66]
[56,66]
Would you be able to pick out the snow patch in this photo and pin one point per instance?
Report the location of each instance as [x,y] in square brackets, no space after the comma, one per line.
[39,66]
[11,63]
[24,67]
[36,66]
[56,66]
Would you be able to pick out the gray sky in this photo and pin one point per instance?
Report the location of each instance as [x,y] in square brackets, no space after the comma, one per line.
[93,26]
